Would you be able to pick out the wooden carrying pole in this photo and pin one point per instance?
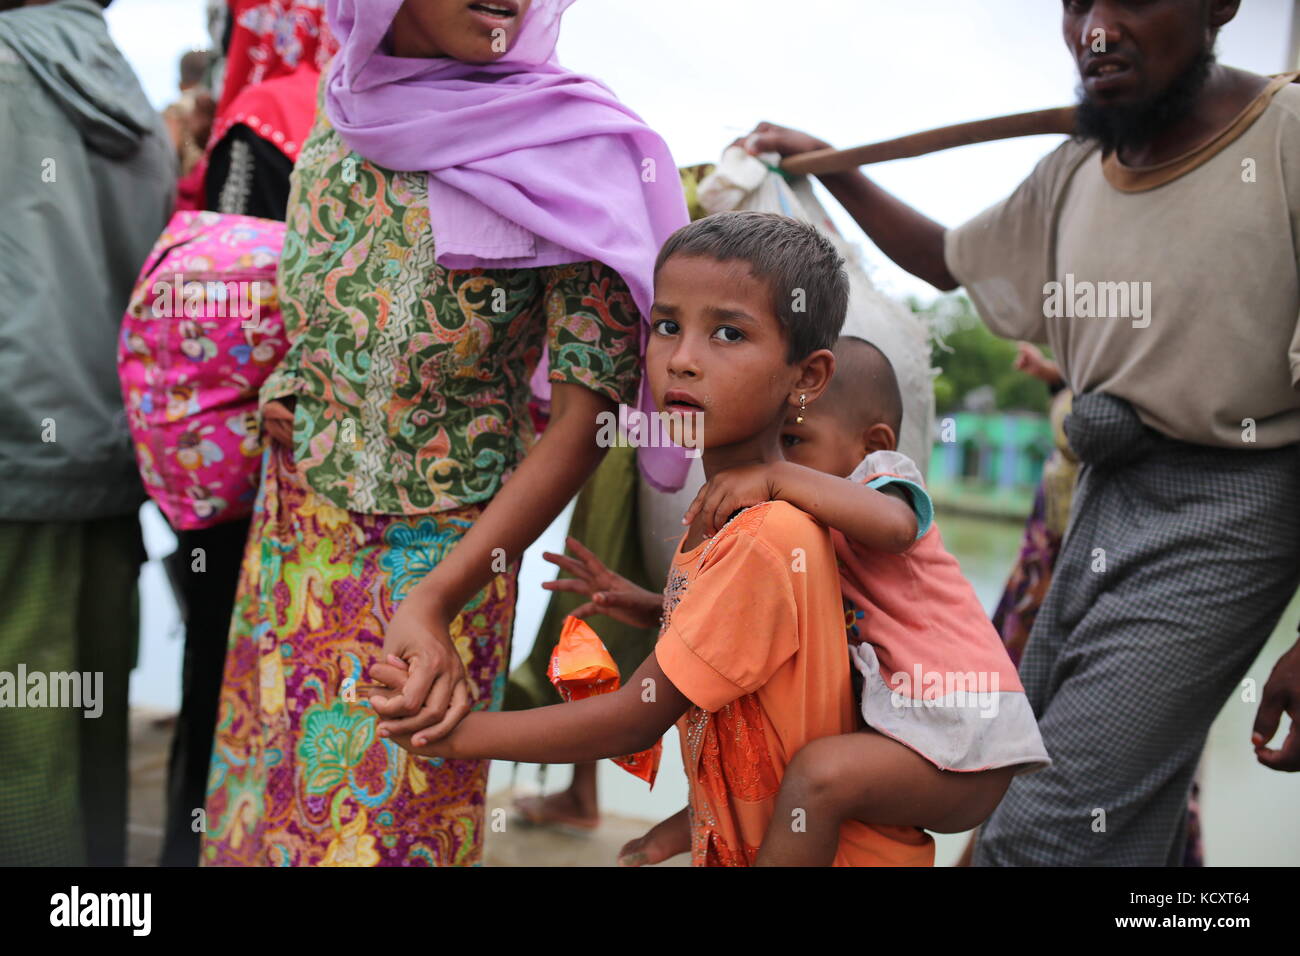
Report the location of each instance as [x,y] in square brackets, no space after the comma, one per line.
[817,162]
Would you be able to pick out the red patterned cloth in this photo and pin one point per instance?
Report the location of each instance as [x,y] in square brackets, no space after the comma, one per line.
[278,50]
[281,111]
[271,38]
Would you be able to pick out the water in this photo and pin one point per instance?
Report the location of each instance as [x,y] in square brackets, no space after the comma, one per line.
[156,680]
[1248,811]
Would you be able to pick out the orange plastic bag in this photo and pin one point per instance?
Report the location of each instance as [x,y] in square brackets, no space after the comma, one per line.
[581,667]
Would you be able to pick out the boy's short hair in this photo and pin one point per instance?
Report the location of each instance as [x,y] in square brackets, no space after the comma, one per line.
[810,290]
[864,389]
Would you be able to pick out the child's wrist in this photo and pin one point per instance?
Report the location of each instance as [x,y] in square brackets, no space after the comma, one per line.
[653,609]
[783,481]
[451,745]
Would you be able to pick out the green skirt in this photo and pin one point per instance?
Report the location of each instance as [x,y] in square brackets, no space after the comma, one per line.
[68,589]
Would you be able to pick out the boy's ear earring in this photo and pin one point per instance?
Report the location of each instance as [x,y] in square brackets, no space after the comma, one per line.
[802,398]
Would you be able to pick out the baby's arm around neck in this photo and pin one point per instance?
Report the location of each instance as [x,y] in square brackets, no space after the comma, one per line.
[874,520]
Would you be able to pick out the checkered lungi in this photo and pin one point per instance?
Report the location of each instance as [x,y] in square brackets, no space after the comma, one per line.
[1177,563]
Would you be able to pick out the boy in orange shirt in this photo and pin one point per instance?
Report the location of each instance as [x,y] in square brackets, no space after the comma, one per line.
[751,660]
[947,723]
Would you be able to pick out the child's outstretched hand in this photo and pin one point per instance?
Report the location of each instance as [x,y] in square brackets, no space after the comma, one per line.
[611,594]
[733,489]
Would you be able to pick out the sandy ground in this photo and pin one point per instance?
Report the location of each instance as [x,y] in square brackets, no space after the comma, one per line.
[517,845]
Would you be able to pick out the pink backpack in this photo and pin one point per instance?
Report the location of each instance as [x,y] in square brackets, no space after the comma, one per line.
[202,332]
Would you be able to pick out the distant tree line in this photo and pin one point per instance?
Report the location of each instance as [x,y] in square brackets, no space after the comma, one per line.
[971,357]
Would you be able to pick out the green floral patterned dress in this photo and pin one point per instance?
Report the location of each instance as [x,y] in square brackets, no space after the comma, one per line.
[411,392]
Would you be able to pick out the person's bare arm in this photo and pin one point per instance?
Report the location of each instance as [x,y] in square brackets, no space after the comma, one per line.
[1031,360]
[437,692]
[909,238]
[626,721]
[552,472]
[870,518]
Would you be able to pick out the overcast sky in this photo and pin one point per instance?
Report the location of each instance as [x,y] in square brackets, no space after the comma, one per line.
[851,71]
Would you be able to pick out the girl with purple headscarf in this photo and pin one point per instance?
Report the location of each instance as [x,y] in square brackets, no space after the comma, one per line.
[463,204]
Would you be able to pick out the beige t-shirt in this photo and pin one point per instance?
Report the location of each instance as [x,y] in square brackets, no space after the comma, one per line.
[1182,299]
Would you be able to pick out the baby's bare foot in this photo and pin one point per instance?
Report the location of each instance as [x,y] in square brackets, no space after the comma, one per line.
[655,847]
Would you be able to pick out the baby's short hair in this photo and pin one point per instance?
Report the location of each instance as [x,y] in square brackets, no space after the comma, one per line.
[810,290]
[864,389]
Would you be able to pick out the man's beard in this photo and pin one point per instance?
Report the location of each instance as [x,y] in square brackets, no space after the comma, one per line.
[1114,127]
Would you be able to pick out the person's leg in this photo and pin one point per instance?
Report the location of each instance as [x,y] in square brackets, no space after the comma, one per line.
[40,804]
[605,520]
[1178,848]
[205,585]
[1028,581]
[577,805]
[108,639]
[529,686]
[1172,575]
[1193,850]
[1123,752]
[869,777]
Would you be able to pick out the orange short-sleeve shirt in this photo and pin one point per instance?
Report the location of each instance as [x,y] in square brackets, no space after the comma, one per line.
[753,635]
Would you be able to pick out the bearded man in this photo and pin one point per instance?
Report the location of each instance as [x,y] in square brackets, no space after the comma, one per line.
[1156,252]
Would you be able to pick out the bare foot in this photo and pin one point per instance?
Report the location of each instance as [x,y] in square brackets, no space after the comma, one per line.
[662,842]
[557,809]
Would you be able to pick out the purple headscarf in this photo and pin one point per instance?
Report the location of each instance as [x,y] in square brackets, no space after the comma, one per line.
[529,164]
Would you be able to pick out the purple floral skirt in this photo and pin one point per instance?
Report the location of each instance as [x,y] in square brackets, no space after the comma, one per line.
[298,776]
